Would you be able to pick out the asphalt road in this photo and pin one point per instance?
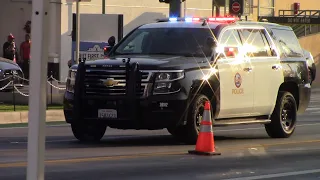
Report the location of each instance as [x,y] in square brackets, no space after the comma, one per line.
[246,153]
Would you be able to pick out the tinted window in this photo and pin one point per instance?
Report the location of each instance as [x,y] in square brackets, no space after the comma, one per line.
[255,43]
[288,42]
[175,41]
[230,38]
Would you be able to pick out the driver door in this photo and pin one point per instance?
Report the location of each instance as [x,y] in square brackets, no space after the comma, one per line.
[236,77]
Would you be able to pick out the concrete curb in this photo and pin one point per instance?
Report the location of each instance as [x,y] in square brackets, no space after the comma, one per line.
[22,116]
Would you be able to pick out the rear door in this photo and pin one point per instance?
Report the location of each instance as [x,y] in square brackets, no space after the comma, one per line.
[268,75]
[236,78]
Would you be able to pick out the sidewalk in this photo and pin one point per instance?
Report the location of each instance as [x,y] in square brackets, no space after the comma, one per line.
[22,116]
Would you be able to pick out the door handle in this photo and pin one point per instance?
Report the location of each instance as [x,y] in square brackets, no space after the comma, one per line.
[248,69]
[276,67]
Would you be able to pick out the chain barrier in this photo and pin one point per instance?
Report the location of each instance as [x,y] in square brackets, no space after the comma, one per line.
[21,93]
[54,79]
[5,79]
[24,94]
[4,87]
[16,89]
[55,86]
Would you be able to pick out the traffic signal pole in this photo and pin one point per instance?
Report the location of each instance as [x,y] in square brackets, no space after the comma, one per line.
[175,9]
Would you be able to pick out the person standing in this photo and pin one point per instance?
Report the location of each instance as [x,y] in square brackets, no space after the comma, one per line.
[25,55]
[9,49]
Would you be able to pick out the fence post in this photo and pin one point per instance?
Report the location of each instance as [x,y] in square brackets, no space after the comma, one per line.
[13,94]
[51,86]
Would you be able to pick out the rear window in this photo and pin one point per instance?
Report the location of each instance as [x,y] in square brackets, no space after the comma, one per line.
[288,42]
[171,41]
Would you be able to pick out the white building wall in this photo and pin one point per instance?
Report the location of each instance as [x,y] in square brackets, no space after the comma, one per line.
[14,15]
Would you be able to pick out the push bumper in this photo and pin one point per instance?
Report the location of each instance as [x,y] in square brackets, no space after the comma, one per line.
[155,112]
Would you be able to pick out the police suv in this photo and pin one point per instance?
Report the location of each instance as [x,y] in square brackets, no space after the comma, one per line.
[161,74]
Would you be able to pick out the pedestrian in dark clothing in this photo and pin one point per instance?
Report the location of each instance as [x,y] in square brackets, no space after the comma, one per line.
[10,49]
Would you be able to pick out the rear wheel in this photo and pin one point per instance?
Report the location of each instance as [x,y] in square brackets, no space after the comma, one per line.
[189,132]
[310,77]
[284,117]
[88,132]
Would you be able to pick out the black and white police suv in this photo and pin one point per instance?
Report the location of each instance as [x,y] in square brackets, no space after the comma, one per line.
[160,74]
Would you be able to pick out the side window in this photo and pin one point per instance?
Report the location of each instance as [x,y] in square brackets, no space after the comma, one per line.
[288,42]
[230,38]
[231,41]
[255,43]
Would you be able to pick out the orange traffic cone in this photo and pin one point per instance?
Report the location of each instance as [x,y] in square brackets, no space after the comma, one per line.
[205,142]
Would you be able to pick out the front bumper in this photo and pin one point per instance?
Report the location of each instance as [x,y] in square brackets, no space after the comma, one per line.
[154,112]
[304,97]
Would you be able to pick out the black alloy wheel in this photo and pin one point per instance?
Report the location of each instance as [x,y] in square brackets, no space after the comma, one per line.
[284,117]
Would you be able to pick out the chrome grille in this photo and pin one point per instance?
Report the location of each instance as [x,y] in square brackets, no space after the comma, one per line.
[94,82]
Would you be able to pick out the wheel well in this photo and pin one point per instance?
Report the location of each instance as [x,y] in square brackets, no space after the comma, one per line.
[212,95]
[292,88]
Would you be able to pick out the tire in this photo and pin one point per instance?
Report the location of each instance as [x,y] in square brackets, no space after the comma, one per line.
[285,106]
[88,132]
[189,133]
[310,77]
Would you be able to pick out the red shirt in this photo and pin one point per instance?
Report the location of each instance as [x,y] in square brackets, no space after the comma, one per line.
[25,47]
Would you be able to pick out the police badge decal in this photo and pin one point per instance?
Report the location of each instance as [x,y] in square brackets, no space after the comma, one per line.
[237,83]
[237,80]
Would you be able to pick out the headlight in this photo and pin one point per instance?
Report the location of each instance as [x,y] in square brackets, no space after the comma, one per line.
[71,80]
[166,82]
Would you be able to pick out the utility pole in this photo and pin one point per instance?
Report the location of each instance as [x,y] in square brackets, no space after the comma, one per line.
[77,31]
[175,8]
[103,6]
[38,83]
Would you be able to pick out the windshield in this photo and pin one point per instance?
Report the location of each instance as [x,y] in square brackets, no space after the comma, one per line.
[167,41]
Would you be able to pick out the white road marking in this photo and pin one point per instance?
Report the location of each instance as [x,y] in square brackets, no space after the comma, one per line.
[245,129]
[312,108]
[53,141]
[277,175]
[225,130]
[62,125]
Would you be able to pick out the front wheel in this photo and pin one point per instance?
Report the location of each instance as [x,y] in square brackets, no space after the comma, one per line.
[189,132]
[284,117]
[88,132]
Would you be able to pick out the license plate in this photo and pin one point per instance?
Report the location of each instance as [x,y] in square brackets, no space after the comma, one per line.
[107,113]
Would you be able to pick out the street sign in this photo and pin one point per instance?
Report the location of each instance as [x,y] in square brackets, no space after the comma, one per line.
[89,50]
[291,20]
[236,7]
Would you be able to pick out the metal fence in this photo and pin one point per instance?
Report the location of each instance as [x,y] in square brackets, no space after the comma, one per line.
[14,93]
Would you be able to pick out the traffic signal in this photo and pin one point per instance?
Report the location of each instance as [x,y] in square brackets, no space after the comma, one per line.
[164,1]
[168,1]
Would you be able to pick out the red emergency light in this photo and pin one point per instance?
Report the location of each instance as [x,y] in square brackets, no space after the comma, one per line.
[197,19]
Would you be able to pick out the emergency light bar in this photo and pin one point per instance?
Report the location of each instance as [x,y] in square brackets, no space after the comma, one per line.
[197,19]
